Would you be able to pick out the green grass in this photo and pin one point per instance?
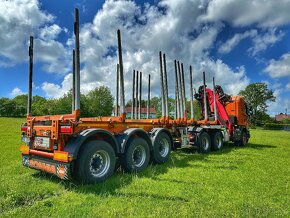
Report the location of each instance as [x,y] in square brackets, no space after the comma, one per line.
[250,181]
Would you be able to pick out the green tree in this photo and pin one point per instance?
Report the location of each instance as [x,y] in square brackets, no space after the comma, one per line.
[99,102]
[156,103]
[7,107]
[20,106]
[257,96]
[39,106]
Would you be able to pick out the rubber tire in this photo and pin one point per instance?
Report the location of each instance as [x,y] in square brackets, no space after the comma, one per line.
[242,142]
[244,139]
[214,146]
[202,149]
[155,154]
[83,172]
[128,164]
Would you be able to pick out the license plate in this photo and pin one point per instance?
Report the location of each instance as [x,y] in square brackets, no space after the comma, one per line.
[25,139]
[43,142]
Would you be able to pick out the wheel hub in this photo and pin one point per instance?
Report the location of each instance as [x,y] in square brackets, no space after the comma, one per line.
[205,143]
[218,142]
[163,147]
[138,156]
[99,163]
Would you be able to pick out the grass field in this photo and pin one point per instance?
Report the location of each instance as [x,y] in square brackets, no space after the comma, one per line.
[249,181]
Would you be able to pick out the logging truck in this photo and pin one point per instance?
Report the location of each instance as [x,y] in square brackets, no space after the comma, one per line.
[87,148]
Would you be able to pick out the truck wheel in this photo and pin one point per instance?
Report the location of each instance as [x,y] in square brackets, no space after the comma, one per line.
[96,162]
[137,155]
[217,141]
[161,148]
[244,139]
[204,142]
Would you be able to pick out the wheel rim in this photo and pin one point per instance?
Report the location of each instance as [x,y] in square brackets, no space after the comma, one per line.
[205,143]
[99,163]
[163,147]
[218,142]
[138,156]
[244,139]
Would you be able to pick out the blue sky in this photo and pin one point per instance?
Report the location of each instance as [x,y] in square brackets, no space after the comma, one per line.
[238,42]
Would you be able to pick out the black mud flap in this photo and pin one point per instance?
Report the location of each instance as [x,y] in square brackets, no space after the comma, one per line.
[60,169]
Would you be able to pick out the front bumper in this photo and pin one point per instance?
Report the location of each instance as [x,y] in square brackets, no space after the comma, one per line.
[60,169]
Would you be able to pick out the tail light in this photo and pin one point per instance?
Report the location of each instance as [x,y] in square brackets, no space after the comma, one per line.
[66,129]
[24,128]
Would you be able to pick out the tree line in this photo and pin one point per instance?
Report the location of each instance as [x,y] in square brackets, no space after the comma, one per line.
[98,102]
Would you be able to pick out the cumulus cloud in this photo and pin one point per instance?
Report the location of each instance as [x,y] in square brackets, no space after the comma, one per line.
[279,105]
[18,20]
[171,26]
[50,32]
[249,12]
[16,91]
[235,40]
[279,68]
[263,41]
[288,86]
[56,91]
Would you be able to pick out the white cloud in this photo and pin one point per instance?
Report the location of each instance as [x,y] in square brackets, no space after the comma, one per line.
[55,58]
[175,32]
[18,20]
[279,105]
[16,91]
[279,68]
[56,91]
[263,41]
[249,12]
[288,86]
[50,32]
[235,40]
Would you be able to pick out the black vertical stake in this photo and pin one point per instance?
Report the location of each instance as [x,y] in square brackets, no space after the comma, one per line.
[136,105]
[30,75]
[133,96]
[73,80]
[117,90]
[140,95]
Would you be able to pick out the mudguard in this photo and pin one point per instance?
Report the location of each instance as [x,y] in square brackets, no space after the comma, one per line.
[195,129]
[75,143]
[123,138]
[156,131]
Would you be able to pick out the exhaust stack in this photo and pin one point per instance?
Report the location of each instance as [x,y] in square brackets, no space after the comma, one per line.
[77,60]
[140,96]
[117,91]
[191,94]
[214,100]
[133,96]
[30,53]
[204,98]
[122,93]
[148,100]
[74,80]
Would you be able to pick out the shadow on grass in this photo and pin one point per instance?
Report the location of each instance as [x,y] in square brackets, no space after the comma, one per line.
[258,146]
[180,158]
